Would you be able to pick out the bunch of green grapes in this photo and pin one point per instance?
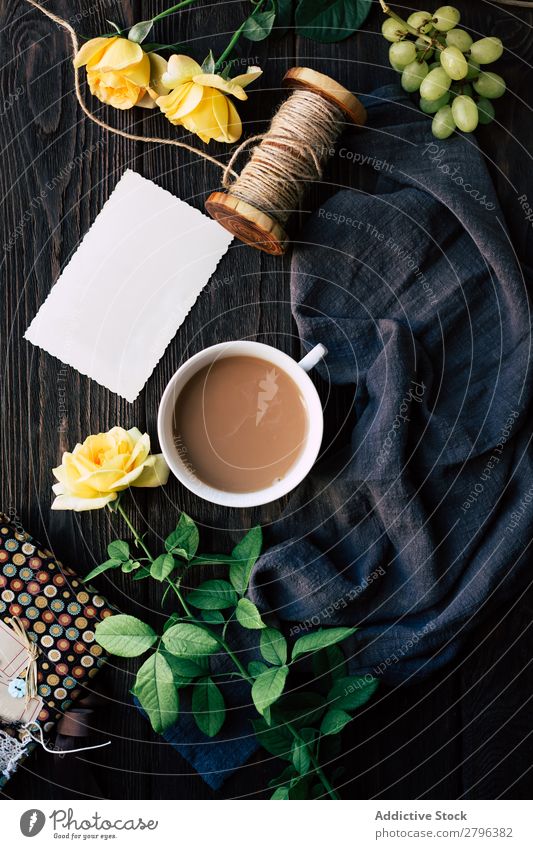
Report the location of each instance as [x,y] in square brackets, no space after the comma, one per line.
[443,63]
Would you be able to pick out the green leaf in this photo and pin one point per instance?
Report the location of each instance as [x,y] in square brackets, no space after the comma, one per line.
[186,668]
[185,640]
[300,787]
[139,31]
[273,646]
[301,708]
[141,573]
[208,707]
[300,757]
[162,567]
[330,20]
[114,25]
[256,668]
[329,664]
[119,550]
[157,693]
[183,542]
[248,615]
[268,687]
[277,740]
[208,65]
[125,635]
[320,639]
[245,555]
[212,617]
[103,567]
[130,566]
[259,25]
[213,595]
[352,692]
[334,721]
[280,793]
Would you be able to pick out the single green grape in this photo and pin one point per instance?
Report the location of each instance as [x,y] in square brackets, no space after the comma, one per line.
[486,50]
[397,68]
[490,85]
[459,38]
[454,63]
[420,21]
[413,74]
[486,110]
[443,124]
[473,70]
[446,18]
[402,53]
[432,106]
[435,84]
[392,30]
[465,114]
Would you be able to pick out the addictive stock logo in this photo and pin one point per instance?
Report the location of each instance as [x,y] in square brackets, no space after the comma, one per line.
[32,822]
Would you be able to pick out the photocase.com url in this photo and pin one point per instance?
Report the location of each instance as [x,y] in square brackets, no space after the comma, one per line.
[480,833]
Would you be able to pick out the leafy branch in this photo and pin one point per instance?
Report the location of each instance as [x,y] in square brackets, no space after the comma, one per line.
[294,724]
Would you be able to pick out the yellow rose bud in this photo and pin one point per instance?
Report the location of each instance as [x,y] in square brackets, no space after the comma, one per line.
[120,73]
[107,463]
[199,101]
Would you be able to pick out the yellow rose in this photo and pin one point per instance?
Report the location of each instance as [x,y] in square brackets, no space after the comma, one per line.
[199,101]
[120,73]
[95,472]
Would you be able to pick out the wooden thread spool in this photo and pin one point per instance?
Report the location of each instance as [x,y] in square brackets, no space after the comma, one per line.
[259,227]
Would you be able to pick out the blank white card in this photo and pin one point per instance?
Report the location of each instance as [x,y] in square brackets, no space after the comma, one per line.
[129,285]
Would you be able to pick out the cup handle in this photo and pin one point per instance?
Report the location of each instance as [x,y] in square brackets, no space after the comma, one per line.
[313,357]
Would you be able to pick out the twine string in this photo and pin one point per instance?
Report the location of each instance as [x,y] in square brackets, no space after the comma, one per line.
[124,133]
[33,654]
[291,154]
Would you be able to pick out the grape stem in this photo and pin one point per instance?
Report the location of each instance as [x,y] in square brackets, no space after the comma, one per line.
[432,42]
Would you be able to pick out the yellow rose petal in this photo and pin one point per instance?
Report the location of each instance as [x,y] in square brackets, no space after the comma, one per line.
[155,472]
[72,502]
[180,69]
[138,74]
[227,86]
[92,50]
[121,54]
[158,67]
[245,79]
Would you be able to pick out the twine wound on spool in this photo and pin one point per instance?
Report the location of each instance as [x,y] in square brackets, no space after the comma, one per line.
[291,154]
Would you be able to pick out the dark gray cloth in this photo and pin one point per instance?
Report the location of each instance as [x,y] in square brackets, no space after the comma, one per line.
[420,521]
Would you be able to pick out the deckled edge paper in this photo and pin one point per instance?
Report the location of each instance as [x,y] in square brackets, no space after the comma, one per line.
[129,285]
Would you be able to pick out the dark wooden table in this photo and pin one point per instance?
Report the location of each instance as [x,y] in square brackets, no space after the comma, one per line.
[465,733]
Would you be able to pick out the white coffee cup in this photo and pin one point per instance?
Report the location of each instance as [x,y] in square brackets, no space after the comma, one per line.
[176,456]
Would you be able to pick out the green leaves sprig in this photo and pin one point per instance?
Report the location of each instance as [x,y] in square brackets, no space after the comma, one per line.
[296,725]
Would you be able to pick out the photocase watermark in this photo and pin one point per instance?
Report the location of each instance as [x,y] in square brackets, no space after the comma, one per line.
[37,200]
[268,389]
[365,159]
[436,156]
[518,514]
[87,13]
[491,463]
[415,393]
[32,822]
[10,100]
[340,604]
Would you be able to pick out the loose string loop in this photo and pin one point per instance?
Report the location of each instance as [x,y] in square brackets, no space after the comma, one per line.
[40,740]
